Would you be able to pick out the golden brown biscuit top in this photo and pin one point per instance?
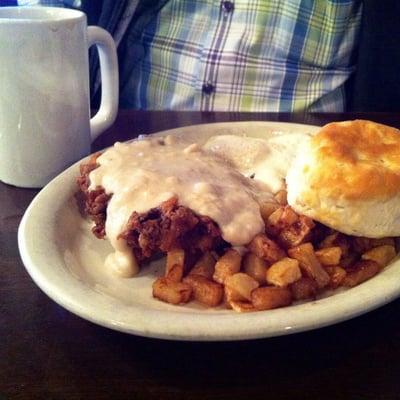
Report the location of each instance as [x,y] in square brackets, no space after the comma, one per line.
[356,160]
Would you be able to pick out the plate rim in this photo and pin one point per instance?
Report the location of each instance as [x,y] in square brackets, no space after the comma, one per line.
[152,329]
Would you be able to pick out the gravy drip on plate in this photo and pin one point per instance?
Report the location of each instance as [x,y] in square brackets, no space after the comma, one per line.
[142,174]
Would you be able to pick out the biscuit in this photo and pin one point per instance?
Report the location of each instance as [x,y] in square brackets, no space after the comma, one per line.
[348,177]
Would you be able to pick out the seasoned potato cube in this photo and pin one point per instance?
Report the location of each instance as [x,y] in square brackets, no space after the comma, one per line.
[205,266]
[329,255]
[283,272]
[281,197]
[241,306]
[336,239]
[382,255]
[280,219]
[288,217]
[175,273]
[174,264]
[296,233]
[337,275]
[242,284]
[304,288]
[205,291]
[266,209]
[309,263]
[329,241]
[268,297]
[235,301]
[255,266]
[361,271]
[272,224]
[275,217]
[227,265]
[232,295]
[265,248]
[171,292]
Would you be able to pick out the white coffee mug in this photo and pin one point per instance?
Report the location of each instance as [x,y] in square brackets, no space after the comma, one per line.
[45,120]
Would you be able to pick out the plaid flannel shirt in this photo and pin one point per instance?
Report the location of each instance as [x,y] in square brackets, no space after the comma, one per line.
[238,55]
[48,3]
[247,55]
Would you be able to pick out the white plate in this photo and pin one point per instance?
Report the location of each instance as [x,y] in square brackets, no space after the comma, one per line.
[65,260]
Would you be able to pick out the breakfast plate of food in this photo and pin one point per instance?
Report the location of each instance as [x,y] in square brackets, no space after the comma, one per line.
[223,231]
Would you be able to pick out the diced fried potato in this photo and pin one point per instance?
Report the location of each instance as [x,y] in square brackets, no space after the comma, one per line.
[227,265]
[289,216]
[274,218]
[337,274]
[267,208]
[205,266]
[283,272]
[241,306]
[382,241]
[382,255]
[280,219]
[255,266]
[171,292]
[175,273]
[242,284]
[205,291]
[329,255]
[272,224]
[304,288]
[329,241]
[174,264]
[362,271]
[232,295]
[336,239]
[281,197]
[296,233]
[175,256]
[268,297]
[309,263]
[265,248]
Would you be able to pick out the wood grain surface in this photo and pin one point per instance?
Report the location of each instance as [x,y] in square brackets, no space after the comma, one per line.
[48,353]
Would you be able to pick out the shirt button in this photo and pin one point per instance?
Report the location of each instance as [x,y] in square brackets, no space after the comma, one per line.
[208,88]
[227,6]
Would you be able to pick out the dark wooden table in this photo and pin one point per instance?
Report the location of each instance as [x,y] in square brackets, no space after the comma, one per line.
[48,353]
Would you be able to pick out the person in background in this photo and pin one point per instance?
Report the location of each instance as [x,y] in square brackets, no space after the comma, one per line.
[237,55]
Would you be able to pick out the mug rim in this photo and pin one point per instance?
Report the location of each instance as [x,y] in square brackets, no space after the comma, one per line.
[39,15]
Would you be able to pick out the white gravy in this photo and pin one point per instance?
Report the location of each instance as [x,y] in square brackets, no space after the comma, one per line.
[142,174]
[267,160]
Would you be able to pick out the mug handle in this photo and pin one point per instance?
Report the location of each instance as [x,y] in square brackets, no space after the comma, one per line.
[107,112]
